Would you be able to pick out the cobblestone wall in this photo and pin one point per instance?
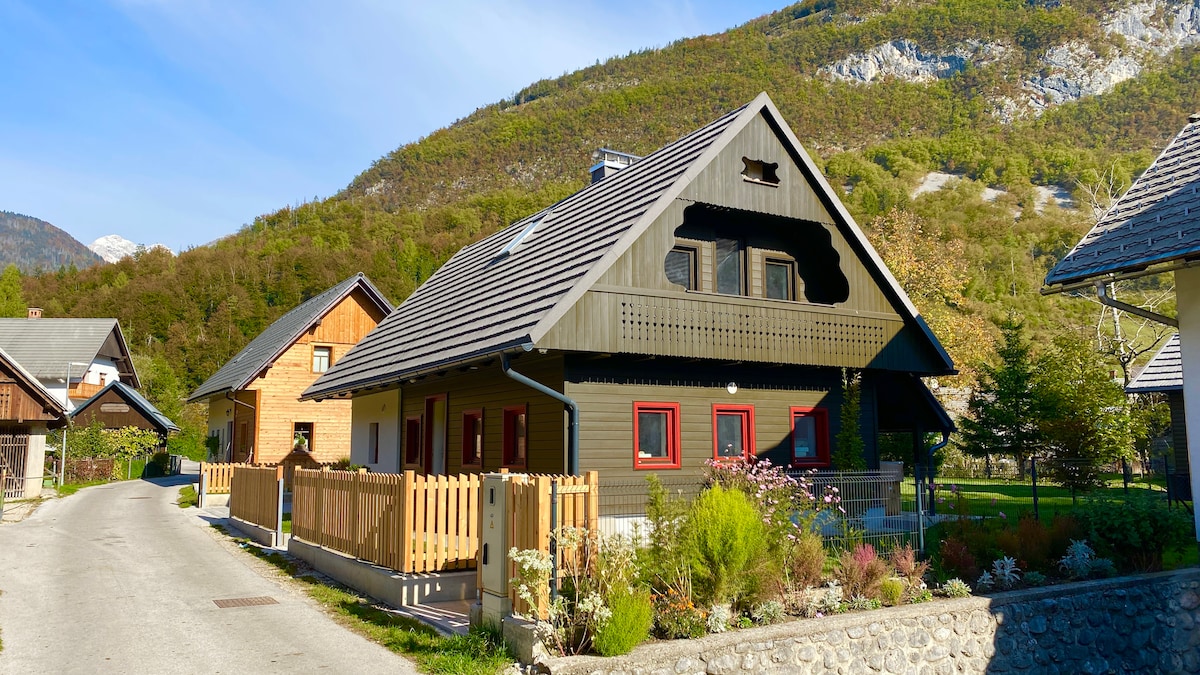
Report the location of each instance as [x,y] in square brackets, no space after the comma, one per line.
[1147,624]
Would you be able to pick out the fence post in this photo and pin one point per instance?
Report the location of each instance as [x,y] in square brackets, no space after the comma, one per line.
[920,512]
[1033,476]
[319,513]
[553,540]
[279,510]
[407,496]
[203,487]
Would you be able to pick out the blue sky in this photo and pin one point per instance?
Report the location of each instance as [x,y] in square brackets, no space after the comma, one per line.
[178,121]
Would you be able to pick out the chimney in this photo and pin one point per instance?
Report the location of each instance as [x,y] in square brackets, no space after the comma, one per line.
[33,313]
[609,162]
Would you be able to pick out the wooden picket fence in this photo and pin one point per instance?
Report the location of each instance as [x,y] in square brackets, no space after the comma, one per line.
[407,522]
[254,495]
[218,476]
[530,498]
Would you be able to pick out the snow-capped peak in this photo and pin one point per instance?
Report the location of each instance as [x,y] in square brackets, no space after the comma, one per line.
[113,247]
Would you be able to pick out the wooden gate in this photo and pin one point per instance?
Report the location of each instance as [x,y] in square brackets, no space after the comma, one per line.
[14,448]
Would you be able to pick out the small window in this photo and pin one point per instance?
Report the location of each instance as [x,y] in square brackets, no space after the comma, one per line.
[519,239]
[515,437]
[321,359]
[472,438]
[302,436]
[373,443]
[810,437]
[733,432]
[681,267]
[656,435]
[758,171]
[729,266]
[780,279]
[412,440]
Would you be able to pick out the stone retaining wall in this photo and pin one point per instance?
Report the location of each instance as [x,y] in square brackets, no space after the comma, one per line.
[1147,624]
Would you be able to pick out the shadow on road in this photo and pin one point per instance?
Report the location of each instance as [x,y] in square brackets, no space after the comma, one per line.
[173,481]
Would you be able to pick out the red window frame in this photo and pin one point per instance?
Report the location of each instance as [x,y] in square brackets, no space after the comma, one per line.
[511,461]
[414,440]
[469,449]
[747,414]
[673,458]
[820,417]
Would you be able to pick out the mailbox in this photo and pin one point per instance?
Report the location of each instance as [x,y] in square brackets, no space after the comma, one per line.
[494,544]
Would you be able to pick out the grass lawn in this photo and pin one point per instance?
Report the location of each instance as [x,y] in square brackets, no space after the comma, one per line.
[478,653]
[287,523]
[188,497]
[991,497]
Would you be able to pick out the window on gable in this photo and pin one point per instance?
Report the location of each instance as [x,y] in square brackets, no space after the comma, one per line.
[412,440]
[729,266]
[733,432]
[472,438]
[516,437]
[810,437]
[656,436]
[779,279]
[758,171]
[321,358]
[681,267]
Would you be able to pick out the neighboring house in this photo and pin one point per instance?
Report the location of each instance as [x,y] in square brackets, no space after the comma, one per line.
[92,351]
[253,409]
[700,302]
[27,411]
[1163,374]
[119,405]
[1154,228]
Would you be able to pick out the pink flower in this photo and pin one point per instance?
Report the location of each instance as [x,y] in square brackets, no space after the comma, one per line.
[1002,515]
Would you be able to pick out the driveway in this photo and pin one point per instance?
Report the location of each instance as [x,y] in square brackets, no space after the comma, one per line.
[118,579]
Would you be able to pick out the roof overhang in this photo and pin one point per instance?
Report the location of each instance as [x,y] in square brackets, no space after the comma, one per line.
[1120,274]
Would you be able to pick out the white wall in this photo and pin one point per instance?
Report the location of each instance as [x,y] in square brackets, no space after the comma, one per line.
[383,409]
[35,460]
[101,371]
[1187,297]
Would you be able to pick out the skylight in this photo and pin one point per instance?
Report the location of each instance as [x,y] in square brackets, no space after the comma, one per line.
[517,240]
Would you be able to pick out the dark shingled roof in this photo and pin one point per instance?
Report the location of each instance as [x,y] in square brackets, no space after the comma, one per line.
[134,399]
[1157,221]
[484,301]
[1163,373]
[35,387]
[264,349]
[43,347]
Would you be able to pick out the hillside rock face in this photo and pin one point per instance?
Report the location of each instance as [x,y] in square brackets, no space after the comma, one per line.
[1140,32]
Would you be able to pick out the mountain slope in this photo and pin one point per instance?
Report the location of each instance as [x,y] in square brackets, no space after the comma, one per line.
[877,138]
[32,245]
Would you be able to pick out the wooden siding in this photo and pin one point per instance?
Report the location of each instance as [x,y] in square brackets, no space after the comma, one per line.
[606,392]
[16,403]
[132,417]
[490,390]
[1178,433]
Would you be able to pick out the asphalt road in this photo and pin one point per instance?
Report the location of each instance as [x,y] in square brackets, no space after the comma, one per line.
[118,579]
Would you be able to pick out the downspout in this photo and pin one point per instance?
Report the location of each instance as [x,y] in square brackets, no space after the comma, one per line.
[932,474]
[572,409]
[1109,301]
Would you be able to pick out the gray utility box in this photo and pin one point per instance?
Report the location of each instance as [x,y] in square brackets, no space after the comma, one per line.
[494,545]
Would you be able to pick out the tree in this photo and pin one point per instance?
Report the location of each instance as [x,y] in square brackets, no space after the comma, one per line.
[12,305]
[1005,407]
[1085,414]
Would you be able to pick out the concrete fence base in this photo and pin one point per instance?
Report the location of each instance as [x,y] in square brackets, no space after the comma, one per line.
[257,533]
[383,584]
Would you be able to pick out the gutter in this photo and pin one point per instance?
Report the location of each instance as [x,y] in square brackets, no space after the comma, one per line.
[572,408]
[1109,301]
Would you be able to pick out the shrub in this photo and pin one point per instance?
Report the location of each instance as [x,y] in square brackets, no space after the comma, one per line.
[891,591]
[820,601]
[806,560]
[630,623]
[862,571]
[725,539]
[768,612]
[1135,533]
[719,617]
[159,465]
[956,559]
[1035,578]
[956,588]
[904,561]
[677,617]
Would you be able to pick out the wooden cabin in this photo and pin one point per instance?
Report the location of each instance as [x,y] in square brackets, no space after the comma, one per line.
[118,405]
[253,407]
[698,303]
[27,411]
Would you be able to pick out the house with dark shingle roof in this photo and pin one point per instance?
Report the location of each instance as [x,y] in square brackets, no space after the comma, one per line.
[119,405]
[253,407]
[698,303]
[1154,228]
[1163,374]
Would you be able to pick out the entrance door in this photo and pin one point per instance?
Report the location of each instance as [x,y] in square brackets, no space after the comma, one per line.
[14,448]
[435,434]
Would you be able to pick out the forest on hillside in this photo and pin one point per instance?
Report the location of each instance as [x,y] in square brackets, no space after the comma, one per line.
[969,257]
